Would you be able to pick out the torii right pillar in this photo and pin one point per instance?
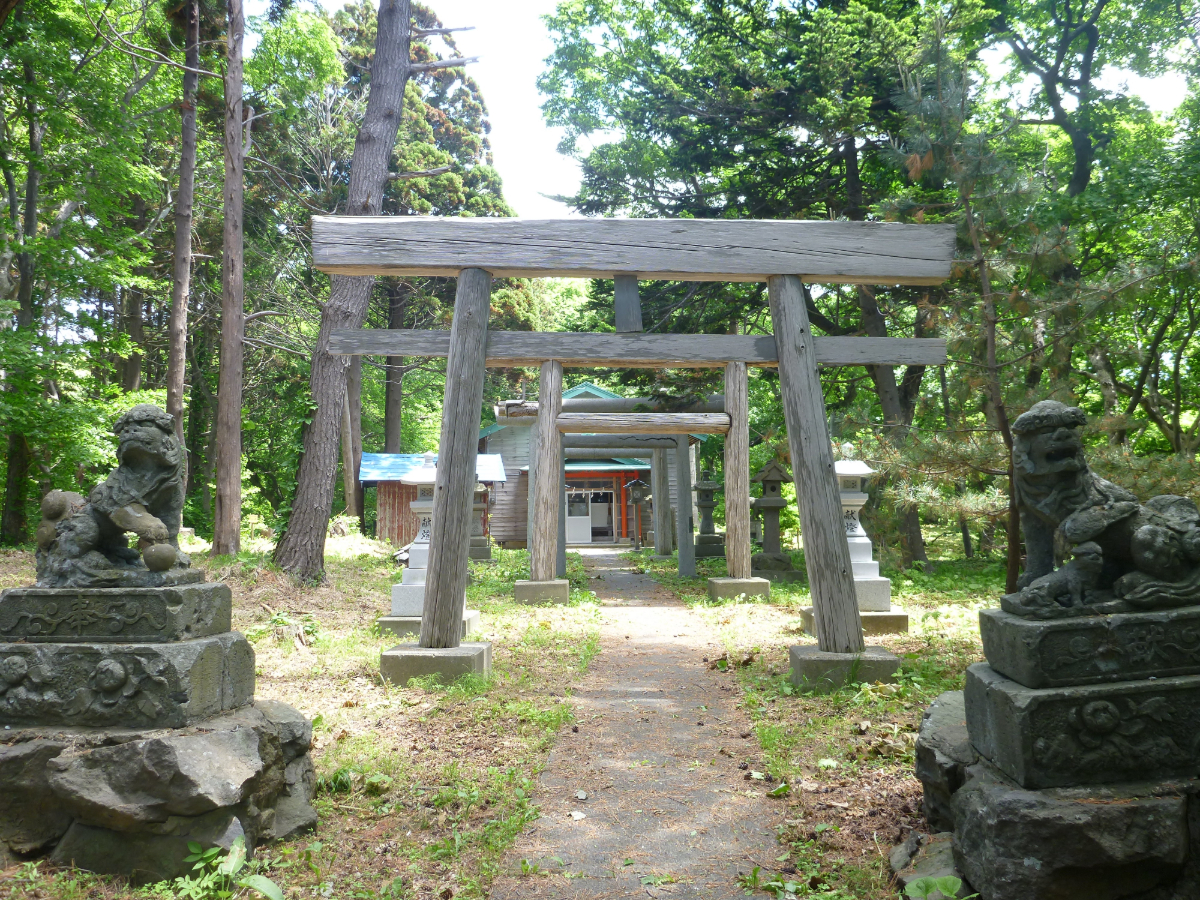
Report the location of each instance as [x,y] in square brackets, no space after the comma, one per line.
[840,655]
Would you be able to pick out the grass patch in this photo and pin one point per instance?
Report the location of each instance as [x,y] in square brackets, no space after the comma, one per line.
[847,757]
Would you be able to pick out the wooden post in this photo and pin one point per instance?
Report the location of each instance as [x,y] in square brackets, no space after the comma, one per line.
[737,471]
[535,434]
[660,487]
[549,460]
[683,507]
[454,487]
[560,566]
[826,553]
[628,306]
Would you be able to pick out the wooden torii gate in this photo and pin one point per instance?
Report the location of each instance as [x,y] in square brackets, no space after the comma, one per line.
[784,254]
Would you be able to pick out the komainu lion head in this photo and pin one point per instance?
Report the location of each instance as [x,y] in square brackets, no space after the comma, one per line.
[146,440]
[1050,472]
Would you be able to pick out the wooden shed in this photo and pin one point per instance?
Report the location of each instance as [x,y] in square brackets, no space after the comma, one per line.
[396,523]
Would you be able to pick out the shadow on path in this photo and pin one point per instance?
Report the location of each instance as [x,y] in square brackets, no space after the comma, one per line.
[667,811]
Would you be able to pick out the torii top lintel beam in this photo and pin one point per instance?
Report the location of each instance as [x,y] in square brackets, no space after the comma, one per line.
[651,249]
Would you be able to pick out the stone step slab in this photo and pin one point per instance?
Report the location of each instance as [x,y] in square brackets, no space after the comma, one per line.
[124,615]
[1042,653]
[1085,734]
[163,685]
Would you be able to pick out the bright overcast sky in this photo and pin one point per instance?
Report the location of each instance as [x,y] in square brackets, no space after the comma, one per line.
[512,42]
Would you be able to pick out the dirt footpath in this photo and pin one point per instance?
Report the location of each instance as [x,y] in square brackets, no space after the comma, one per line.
[644,796]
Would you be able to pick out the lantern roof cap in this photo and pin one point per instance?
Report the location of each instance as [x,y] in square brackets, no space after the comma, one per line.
[773,471]
[426,474]
[852,467]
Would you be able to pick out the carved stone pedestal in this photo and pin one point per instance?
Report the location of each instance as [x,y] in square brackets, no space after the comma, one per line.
[122,739]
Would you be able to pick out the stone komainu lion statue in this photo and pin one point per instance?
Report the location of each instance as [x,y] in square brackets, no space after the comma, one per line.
[1126,555]
[83,543]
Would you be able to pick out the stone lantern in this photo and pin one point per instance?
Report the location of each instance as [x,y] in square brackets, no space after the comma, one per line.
[772,562]
[639,493]
[481,546]
[873,591]
[408,597]
[708,542]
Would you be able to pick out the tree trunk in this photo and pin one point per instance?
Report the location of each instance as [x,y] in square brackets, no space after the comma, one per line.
[227,518]
[184,198]
[896,421]
[302,549]
[133,308]
[13,525]
[131,374]
[996,395]
[393,398]
[354,404]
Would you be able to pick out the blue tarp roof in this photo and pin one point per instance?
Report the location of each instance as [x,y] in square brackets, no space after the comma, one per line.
[394,466]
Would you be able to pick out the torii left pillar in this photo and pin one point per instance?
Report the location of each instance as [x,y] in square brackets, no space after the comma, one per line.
[440,651]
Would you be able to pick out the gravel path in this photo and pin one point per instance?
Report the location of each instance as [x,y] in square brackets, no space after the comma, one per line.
[656,749]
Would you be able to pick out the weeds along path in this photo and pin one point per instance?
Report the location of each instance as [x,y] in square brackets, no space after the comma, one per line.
[644,797]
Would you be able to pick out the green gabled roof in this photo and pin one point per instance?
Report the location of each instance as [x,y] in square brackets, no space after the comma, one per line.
[490,429]
[588,388]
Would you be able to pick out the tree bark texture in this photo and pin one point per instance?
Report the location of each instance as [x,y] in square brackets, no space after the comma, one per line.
[826,553]
[302,548]
[134,301]
[227,515]
[737,471]
[454,487]
[181,274]
[543,552]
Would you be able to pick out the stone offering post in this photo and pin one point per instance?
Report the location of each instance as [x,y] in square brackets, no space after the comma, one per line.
[481,545]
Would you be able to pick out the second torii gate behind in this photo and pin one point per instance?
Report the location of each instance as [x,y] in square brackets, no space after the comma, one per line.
[782,253]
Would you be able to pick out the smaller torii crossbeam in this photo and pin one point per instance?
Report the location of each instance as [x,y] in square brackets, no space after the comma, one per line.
[784,254]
